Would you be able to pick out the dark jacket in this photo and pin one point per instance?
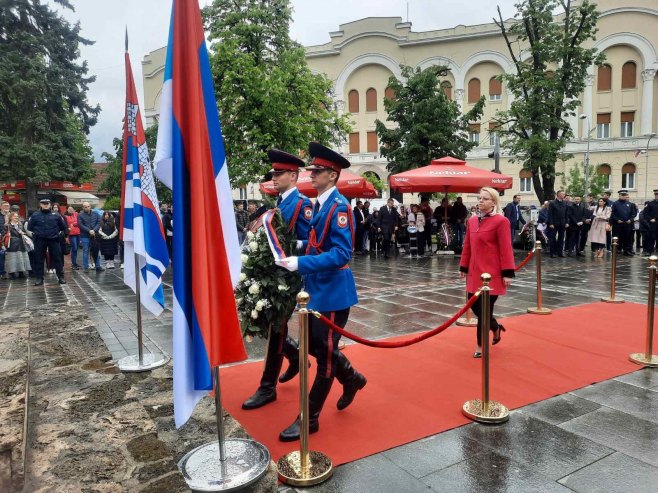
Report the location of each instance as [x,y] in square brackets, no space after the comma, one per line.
[87,221]
[510,214]
[542,217]
[47,225]
[623,210]
[442,212]
[388,220]
[359,217]
[575,215]
[557,213]
[651,211]
[459,213]
[645,225]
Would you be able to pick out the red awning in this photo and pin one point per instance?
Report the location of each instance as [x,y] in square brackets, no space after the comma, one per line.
[349,184]
[448,175]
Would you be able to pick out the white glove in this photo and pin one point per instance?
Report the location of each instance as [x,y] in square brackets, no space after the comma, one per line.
[300,244]
[290,263]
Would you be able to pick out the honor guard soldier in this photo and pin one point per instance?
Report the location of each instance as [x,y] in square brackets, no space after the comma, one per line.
[622,218]
[296,210]
[47,229]
[330,284]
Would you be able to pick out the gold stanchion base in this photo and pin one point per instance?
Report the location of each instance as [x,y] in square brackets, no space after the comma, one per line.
[289,468]
[540,311]
[612,300]
[497,413]
[641,359]
[467,322]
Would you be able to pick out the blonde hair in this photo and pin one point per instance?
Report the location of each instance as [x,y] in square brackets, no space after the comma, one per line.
[495,197]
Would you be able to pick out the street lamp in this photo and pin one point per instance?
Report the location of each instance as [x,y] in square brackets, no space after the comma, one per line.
[646,167]
[589,134]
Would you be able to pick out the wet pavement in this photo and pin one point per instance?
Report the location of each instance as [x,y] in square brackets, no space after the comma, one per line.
[600,438]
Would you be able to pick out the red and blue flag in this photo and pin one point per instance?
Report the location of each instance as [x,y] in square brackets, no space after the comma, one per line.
[190,158]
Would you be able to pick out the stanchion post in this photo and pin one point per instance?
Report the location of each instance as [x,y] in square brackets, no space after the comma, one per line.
[646,358]
[485,410]
[539,309]
[613,277]
[468,320]
[303,467]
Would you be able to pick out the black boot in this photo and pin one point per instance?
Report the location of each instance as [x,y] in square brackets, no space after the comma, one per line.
[39,281]
[266,392]
[316,398]
[351,379]
[291,352]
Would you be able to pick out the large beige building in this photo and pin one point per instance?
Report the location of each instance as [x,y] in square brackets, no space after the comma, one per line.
[619,104]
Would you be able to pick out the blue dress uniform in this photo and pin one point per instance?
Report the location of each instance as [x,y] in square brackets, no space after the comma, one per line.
[622,218]
[47,228]
[330,284]
[296,210]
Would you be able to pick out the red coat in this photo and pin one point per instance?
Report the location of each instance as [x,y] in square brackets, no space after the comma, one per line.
[487,248]
[72,224]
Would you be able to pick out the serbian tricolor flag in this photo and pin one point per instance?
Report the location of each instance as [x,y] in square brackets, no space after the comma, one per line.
[190,158]
[141,225]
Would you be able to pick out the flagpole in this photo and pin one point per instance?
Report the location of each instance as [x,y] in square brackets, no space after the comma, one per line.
[138,300]
[241,461]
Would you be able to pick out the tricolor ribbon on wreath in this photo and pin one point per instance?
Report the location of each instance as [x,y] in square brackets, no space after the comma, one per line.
[272,238]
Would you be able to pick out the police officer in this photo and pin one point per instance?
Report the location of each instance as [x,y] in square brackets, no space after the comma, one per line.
[651,215]
[622,218]
[47,229]
[330,284]
[296,210]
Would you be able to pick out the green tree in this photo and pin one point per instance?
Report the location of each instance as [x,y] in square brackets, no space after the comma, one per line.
[551,64]
[428,125]
[573,181]
[112,182]
[44,113]
[266,93]
[376,181]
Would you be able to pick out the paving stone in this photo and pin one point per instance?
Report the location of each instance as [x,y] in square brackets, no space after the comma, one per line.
[616,473]
[490,471]
[548,449]
[646,378]
[625,433]
[639,402]
[560,409]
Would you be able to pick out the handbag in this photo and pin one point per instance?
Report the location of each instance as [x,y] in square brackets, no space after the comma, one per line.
[6,238]
[66,247]
[27,241]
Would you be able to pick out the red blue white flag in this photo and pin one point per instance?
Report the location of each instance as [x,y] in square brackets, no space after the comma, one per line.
[141,224]
[190,158]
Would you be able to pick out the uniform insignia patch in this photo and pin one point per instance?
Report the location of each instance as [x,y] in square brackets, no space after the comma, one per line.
[342,219]
[308,212]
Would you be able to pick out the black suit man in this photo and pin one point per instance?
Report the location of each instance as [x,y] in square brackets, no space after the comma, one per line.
[359,220]
[557,213]
[388,223]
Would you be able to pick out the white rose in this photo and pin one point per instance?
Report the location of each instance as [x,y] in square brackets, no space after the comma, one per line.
[250,235]
[283,287]
[253,246]
[244,259]
[243,276]
[238,301]
[260,305]
[254,288]
[254,314]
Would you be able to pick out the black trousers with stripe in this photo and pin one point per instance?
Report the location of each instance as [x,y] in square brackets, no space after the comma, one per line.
[323,342]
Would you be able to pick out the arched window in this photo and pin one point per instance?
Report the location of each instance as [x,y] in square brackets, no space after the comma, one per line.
[495,89]
[353,101]
[629,75]
[628,176]
[371,99]
[605,171]
[604,78]
[525,179]
[389,93]
[473,90]
[447,89]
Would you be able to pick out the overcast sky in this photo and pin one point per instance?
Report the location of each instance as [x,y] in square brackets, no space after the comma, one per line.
[148,22]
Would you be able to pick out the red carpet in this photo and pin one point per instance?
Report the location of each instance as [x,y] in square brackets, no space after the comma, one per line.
[419,390]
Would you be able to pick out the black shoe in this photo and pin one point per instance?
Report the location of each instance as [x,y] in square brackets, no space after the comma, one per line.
[350,389]
[100,269]
[291,352]
[62,280]
[291,433]
[39,281]
[76,267]
[260,398]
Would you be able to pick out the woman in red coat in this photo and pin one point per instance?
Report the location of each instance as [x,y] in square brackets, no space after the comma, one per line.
[487,248]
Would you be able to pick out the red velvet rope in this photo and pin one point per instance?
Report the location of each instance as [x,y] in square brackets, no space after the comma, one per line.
[405,342]
[525,261]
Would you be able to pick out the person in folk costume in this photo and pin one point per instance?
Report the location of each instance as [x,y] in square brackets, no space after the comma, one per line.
[296,209]
[330,284]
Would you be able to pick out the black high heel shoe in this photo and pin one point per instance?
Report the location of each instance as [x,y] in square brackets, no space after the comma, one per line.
[497,335]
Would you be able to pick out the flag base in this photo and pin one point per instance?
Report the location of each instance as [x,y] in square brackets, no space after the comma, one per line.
[150,361]
[246,462]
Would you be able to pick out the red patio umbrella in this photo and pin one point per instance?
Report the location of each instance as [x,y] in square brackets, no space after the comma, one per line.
[349,184]
[448,175]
